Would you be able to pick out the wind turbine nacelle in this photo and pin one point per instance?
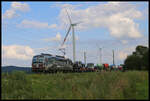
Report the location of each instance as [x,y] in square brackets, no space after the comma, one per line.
[73,24]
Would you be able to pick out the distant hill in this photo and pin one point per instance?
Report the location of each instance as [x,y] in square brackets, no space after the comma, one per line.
[13,68]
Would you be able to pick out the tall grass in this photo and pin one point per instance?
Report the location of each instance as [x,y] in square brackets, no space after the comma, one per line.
[16,85]
[102,85]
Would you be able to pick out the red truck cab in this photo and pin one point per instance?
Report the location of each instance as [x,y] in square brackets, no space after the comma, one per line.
[106,66]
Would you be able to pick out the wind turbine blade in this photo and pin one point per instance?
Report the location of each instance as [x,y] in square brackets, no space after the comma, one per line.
[78,22]
[69,17]
[66,35]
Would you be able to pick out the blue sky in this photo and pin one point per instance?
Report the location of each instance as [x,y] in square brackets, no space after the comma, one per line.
[31,28]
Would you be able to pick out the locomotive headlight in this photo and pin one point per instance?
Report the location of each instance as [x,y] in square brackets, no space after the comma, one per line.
[50,65]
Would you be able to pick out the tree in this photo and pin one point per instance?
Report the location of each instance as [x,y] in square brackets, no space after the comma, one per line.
[138,60]
[133,62]
[145,60]
[141,49]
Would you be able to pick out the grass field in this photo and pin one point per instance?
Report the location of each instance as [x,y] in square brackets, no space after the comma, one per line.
[101,85]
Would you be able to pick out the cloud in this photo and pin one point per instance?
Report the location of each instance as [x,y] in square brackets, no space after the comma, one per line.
[56,38]
[62,5]
[124,41]
[117,17]
[123,53]
[20,6]
[35,24]
[114,3]
[123,27]
[15,6]
[52,26]
[17,52]
[9,14]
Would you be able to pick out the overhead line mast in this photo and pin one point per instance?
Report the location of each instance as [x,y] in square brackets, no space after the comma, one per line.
[100,54]
[85,58]
[113,57]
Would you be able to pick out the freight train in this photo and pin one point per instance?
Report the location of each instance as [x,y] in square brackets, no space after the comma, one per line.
[55,63]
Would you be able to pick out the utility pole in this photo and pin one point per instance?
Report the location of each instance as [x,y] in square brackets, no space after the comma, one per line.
[85,58]
[113,57]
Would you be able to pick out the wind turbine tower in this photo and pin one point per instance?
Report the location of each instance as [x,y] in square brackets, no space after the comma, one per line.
[73,36]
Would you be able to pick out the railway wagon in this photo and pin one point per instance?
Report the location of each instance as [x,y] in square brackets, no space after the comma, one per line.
[51,63]
[90,67]
[99,67]
[78,66]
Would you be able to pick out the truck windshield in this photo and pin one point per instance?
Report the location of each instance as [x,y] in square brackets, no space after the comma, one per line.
[90,65]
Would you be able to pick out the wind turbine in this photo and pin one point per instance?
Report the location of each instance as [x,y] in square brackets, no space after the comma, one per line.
[73,36]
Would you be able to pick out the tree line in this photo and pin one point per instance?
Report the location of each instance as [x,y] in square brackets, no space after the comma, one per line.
[138,60]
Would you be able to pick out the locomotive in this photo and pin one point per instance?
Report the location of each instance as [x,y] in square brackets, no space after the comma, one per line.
[51,63]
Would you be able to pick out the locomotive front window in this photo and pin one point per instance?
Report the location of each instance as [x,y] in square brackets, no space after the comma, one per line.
[37,60]
[40,60]
[34,60]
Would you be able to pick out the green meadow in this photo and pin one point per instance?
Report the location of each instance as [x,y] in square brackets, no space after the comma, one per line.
[89,85]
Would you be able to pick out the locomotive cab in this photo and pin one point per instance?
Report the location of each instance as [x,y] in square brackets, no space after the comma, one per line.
[38,63]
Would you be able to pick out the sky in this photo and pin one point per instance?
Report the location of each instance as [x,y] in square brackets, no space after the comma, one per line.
[32,28]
